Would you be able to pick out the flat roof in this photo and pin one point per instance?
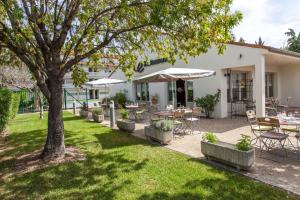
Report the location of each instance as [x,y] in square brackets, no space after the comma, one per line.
[269,48]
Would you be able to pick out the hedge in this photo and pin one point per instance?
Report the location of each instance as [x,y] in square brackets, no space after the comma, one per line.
[5,107]
[15,103]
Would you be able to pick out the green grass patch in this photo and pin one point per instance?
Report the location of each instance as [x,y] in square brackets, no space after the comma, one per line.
[118,166]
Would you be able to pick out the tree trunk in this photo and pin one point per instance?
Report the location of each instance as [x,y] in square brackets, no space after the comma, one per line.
[55,146]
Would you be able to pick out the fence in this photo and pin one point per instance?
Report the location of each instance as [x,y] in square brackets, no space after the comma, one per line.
[29,99]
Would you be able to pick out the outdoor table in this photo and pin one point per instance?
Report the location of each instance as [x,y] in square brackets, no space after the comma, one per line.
[164,114]
[289,121]
[132,111]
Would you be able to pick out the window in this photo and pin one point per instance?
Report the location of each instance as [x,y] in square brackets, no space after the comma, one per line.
[170,96]
[269,87]
[190,91]
[238,87]
[142,92]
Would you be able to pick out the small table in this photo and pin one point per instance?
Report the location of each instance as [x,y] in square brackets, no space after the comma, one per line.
[132,111]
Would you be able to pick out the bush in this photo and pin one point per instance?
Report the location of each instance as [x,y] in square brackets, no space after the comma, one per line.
[244,143]
[164,125]
[210,137]
[208,102]
[120,99]
[15,103]
[5,107]
[124,114]
[97,111]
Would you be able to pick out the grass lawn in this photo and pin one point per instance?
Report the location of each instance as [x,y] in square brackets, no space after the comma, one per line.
[118,166]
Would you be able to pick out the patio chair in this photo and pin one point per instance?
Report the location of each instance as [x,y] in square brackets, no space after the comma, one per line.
[141,112]
[192,122]
[177,118]
[269,138]
[256,128]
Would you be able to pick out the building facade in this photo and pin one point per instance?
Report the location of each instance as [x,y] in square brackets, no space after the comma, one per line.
[246,75]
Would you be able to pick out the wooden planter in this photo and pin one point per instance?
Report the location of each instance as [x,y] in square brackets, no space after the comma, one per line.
[163,137]
[227,154]
[98,118]
[83,113]
[126,125]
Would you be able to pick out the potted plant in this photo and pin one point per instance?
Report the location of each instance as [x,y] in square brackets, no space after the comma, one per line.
[98,115]
[208,102]
[124,123]
[154,99]
[160,130]
[240,155]
[84,111]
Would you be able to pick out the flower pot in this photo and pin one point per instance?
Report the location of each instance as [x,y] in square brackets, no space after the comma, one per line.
[163,137]
[126,125]
[228,154]
[98,118]
[83,113]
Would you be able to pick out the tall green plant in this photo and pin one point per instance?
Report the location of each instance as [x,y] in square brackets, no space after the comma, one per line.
[15,103]
[5,105]
[120,99]
[208,102]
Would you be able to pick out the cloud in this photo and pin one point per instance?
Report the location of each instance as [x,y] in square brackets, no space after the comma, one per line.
[269,19]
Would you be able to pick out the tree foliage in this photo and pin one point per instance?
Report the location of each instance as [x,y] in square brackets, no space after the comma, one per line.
[61,33]
[293,42]
[54,37]
[260,41]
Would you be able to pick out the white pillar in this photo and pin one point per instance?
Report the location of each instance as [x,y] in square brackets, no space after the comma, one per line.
[260,87]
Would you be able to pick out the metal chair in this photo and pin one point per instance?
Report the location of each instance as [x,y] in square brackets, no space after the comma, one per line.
[269,138]
[256,128]
[297,136]
[141,111]
[177,117]
[192,121]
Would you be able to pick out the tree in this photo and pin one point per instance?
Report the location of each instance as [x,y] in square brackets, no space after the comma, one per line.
[53,37]
[260,41]
[293,42]
[242,40]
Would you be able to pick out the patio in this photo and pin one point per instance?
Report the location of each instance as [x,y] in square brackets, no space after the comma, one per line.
[269,168]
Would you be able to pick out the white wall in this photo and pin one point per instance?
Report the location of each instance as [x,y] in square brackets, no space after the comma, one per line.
[234,57]
[290,84]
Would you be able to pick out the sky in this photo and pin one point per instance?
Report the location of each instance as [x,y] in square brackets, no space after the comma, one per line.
[269,19]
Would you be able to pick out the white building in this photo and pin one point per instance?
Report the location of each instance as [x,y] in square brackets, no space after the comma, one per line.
[244,73]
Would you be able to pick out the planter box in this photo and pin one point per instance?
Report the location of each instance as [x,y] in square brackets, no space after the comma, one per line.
[158,135]
[98,118]
[126,125]
[83,113]
[227,154]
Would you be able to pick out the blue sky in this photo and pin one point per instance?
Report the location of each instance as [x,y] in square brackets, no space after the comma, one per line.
[269,19]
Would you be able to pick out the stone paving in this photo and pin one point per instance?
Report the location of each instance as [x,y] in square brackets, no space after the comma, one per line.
[269,168]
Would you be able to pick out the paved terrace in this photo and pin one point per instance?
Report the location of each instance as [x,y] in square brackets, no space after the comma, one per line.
[269,168]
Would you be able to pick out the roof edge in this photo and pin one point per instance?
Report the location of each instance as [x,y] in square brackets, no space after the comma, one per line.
[269,48]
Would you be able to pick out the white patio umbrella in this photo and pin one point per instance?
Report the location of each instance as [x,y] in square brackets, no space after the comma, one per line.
[105,82]
[174,74]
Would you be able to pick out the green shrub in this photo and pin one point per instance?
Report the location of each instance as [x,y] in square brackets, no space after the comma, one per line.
[15,103]
[210,137]
[5,107]
[164,125]
[124,114]
[208,102]
[244,144]
[98,111]
[120,99]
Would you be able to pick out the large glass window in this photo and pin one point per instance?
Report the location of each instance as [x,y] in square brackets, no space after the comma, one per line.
[170,96]
[269,87]
[240,87]
[142,92]
[190,90]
